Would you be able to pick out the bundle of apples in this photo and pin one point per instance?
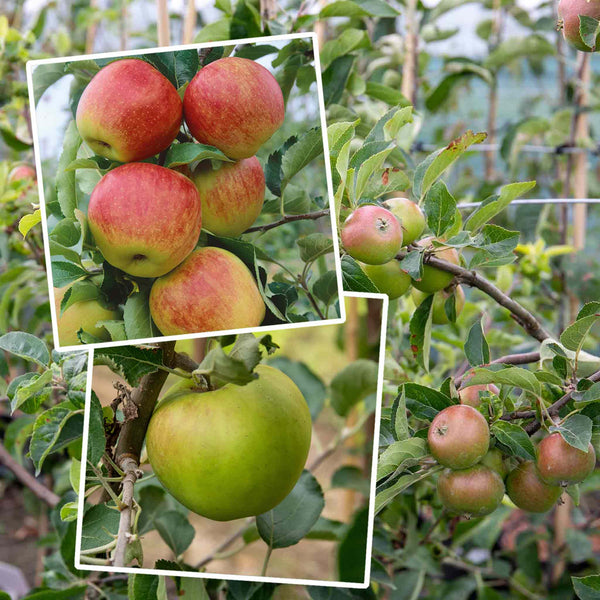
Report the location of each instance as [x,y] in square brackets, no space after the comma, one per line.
[146,219]
[477,476]
[374,235]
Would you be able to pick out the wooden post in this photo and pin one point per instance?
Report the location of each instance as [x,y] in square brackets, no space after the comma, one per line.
[495,38]
[408,88]
[162,23]
[189,23]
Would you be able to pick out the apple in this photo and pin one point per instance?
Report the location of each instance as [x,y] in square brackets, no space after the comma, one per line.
[80,315]
[411,218]
[439,316]
[211,290]
[470,394]
[372,235]
[559,463]
[494,460]
[232,196]
[528,491]
[234,104]
[22,173]
[569,12]
[434,279]
[233,452]
[129,111]
[389,278]
[145,219]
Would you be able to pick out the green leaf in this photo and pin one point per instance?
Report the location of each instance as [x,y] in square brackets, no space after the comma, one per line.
[26,346]
[178,67]
[573,337]
[477,349]
[313,246]
[427,173]
[130,362]
[353,277]
[66,189]
[48,428]
[352,551]
[326,287]
[29,221]
[587,588]
[136,314]
[29,389]
[300,154]
[367,168]
[186,153]
[64,273]
[513,439]
[390,180]
[576,431]
[424,402]
[513,376]
[399,417]
[44,76]
[287,523]
[349,40]
[496,204]
[386,495]
[100,526]
[335,78]
[420,326]
[401,455]
[142,587]
[175,530]
[440,208]
[351,478]
[214,32]
[358,8]
[353,384]
[96,436]
[386,94]
[589,29]
[529,46]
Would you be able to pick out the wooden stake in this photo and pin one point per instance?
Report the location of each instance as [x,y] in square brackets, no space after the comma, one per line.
[410,52]
[162,23]
[189,23]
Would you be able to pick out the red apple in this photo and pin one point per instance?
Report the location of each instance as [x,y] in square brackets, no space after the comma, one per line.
[569,12]
[234,104]
[129,111]
[232,196]
[145,219]
[372,234]
[212,290]
[80,315]
[22,173]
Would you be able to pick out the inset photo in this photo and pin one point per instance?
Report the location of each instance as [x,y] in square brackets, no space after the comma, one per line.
[246,456]
[185,191]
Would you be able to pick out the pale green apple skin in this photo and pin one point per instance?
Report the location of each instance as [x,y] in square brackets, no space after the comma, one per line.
[234,104]
[434,279]
[232,196]
[389,278]
[145,219]
[439,316]
[234,452]
[81,315]
[129,111]
[411,218]
[211,290]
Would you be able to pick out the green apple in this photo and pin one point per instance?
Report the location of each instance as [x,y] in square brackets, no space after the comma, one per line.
[371,234]
[80,315]
[232,196]
[233,452]
[212,290]
[434,279]
[129,111]
[411,218]
[234,104]
[145,219]
[389,278]
[439,316]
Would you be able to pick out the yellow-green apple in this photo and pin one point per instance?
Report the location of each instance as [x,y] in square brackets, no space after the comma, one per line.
[477,491]
[129,111]
[233,452]
[145,218]
[234,104]
[528,491]
[211,290]
[470,393]
[494,459]
[232,196]
[372,235]
[435,279]
[22,173]
[439,316]
[559,463]
[389,278]
[569,12]
[80,315]
[411,218]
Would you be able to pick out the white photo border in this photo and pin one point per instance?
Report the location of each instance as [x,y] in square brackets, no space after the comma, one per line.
[232,577]
[30,68]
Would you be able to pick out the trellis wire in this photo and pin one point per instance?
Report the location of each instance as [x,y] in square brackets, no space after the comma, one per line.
[539,201]
[420,147]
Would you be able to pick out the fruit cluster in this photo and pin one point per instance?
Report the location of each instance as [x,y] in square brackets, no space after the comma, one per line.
[477,475]
[373,235]
[146,219]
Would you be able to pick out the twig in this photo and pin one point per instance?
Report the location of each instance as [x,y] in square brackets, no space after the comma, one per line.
[525,358]
[224,545]
[184,362]
[521,315]
[27,479]
[289,219]
[130,468]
